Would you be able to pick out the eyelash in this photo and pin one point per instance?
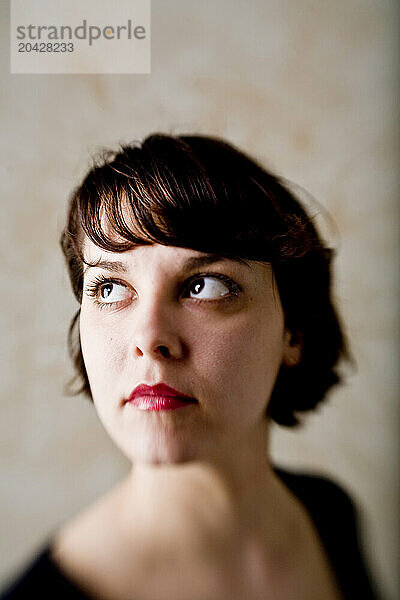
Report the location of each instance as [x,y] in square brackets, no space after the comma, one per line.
[233,287]
[92,289]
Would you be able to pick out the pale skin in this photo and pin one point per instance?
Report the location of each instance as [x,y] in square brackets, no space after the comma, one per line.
[202,514]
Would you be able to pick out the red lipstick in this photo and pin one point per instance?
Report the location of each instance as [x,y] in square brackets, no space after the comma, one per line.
[158,397]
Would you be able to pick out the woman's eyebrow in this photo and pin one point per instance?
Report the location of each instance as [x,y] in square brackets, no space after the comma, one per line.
[190,264]
[116,266]
[196,262]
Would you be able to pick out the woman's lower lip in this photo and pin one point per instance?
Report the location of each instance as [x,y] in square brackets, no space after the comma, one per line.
[159,402]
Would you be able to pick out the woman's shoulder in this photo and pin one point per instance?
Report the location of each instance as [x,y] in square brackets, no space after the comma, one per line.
[337,521]
[52,571]
[61,566]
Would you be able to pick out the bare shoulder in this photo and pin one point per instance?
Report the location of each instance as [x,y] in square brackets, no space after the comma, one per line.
[87,550]
[85,529]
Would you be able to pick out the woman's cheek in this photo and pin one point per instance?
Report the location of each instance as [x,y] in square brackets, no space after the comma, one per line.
[103,353]
[246,357]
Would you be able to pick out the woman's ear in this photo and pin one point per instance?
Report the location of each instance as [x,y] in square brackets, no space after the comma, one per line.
[293,346]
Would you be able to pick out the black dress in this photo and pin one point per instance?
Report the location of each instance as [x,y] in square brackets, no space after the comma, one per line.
[329,506]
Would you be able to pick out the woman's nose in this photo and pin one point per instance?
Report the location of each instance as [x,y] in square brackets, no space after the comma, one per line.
[156,332]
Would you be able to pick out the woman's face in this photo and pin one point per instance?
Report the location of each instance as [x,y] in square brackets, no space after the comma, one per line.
[210,328]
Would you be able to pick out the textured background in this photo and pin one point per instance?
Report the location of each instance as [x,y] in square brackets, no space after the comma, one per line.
[311,89]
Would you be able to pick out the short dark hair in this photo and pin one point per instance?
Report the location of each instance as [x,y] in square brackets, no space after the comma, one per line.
[202,193]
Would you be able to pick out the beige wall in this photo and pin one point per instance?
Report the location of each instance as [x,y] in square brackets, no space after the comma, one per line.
[309,87]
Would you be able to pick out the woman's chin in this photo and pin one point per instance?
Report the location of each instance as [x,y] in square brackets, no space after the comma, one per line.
[159,450]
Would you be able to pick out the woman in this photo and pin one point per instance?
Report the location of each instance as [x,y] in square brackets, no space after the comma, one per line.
[205,313]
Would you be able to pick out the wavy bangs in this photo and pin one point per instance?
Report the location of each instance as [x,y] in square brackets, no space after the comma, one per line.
[177,194]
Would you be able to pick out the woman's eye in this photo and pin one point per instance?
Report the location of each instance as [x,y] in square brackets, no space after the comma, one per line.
[207,288]
[112,292]
[107,292]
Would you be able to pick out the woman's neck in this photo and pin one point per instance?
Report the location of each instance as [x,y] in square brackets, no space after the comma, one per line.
[220,499]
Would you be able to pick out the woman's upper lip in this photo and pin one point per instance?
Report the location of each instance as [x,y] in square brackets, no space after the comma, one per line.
[158,390]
